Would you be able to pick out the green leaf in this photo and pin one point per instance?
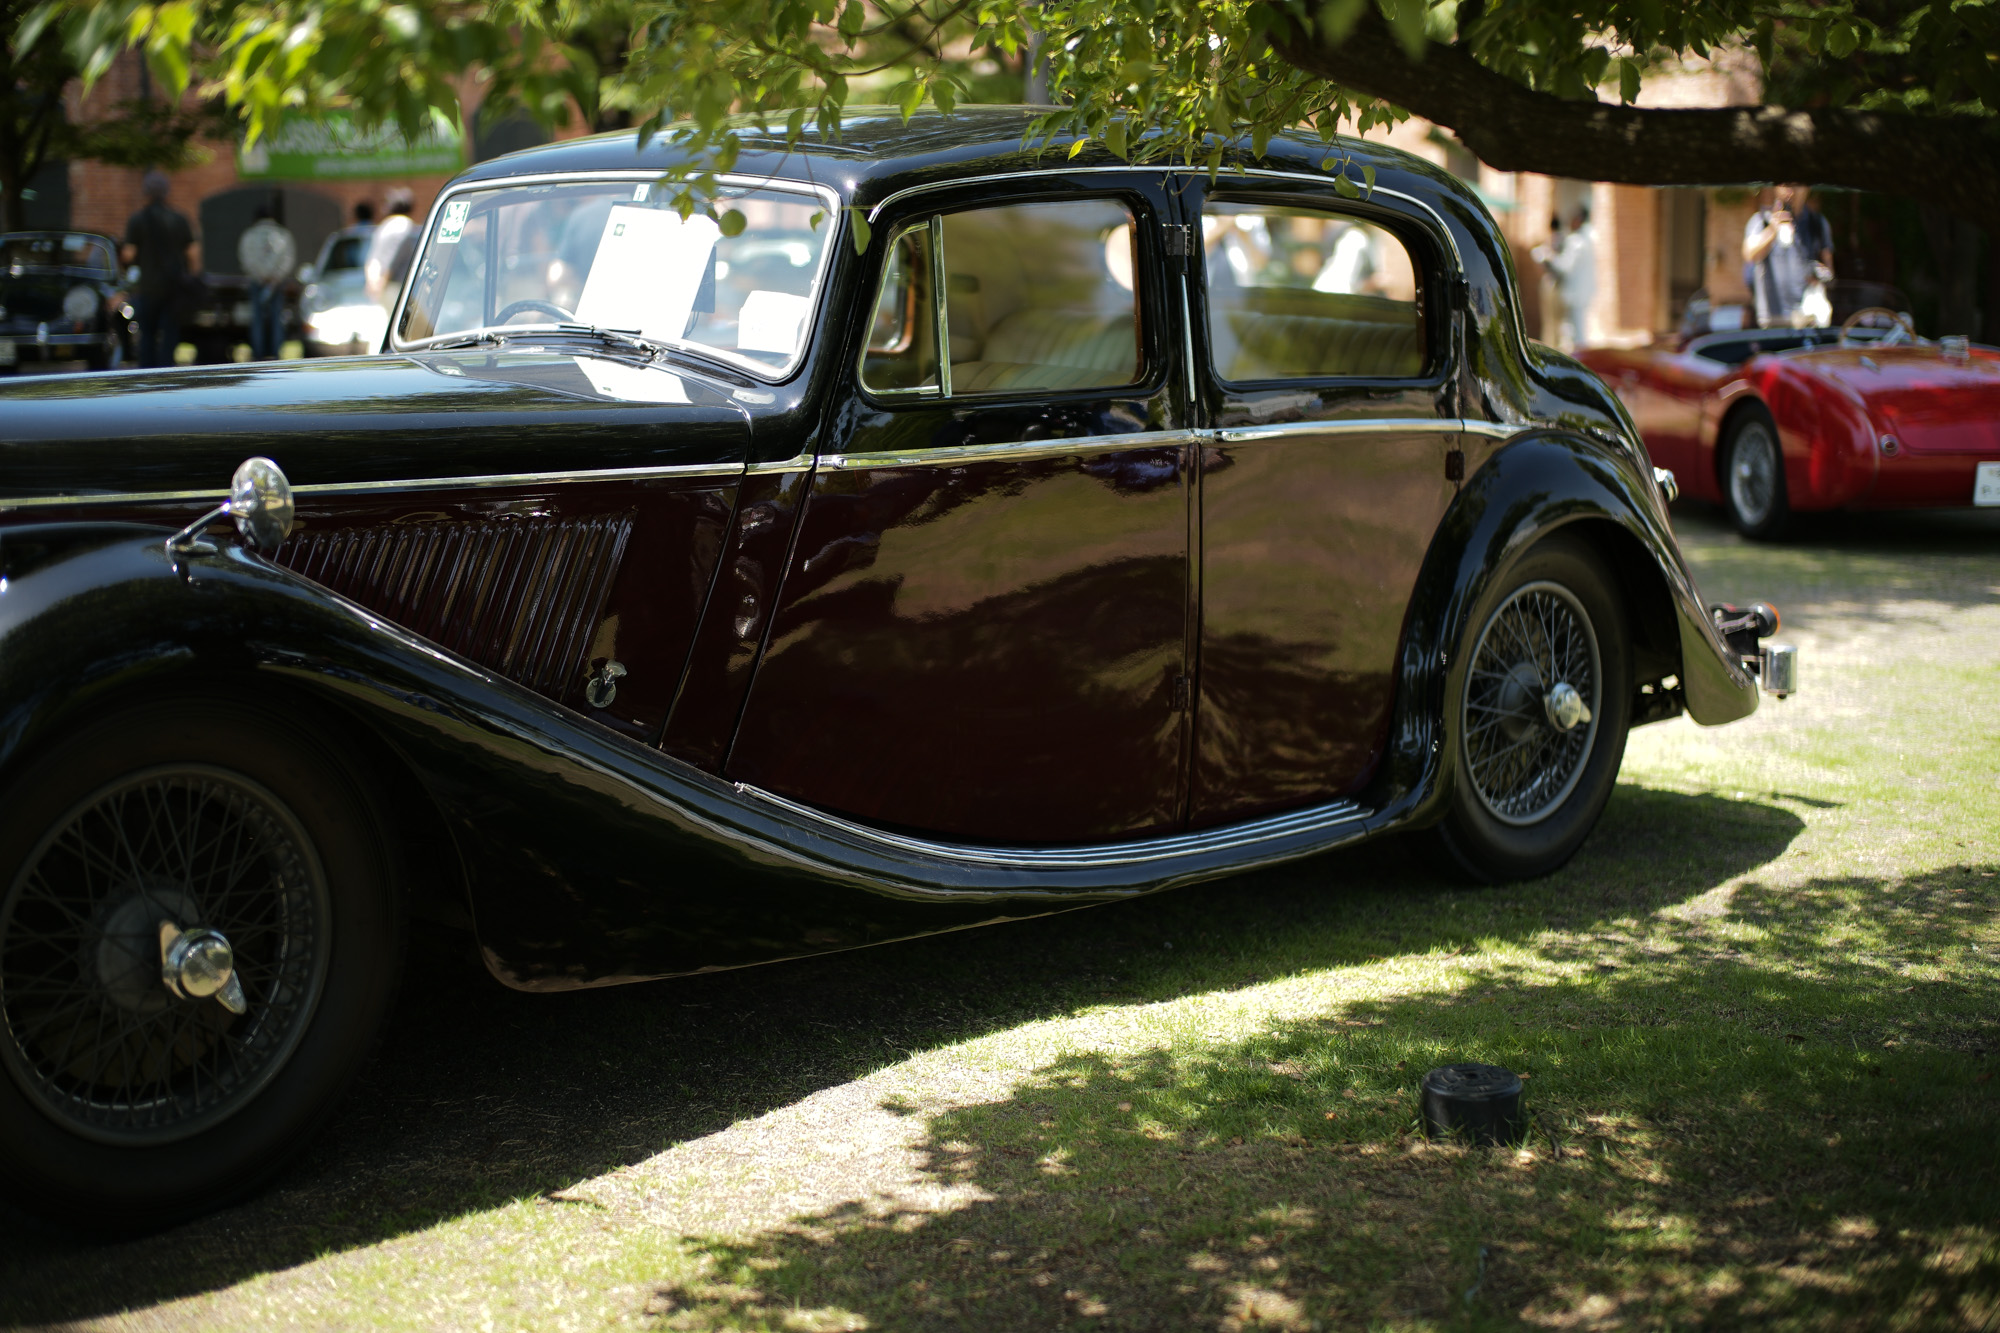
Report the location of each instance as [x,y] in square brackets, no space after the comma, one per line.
[1406,20]
[1841,39]
[1345,187]
[863,233]
[1368,176]
[1338,17]
[912,98]
[812,223]
[1114,137]
[852,19]
[732,223]
[1628,81]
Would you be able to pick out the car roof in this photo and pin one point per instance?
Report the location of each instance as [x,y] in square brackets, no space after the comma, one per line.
[878,153]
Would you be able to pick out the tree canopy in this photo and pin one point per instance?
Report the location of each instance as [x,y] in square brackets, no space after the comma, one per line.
[1874,94]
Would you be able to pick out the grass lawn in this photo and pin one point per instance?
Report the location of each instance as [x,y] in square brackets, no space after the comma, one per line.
[1757,1015]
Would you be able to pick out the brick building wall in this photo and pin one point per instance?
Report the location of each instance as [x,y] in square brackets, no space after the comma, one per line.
[103,198]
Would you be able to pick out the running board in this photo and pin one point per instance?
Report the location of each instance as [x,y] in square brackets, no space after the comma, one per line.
[1200,843]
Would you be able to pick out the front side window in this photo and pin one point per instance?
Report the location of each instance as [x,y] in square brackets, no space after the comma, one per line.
[616,254]
[1297,293]
[1034,297]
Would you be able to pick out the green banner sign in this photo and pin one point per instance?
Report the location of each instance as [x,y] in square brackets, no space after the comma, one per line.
[332,147]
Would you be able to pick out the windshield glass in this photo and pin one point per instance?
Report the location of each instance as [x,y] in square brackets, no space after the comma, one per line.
[55,250]
[617,255]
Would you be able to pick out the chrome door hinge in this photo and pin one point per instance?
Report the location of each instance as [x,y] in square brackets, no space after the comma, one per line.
[1183,694]
[1179,240]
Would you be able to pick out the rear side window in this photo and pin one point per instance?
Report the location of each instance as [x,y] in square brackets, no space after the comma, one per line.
[1033,297]
[1297,293]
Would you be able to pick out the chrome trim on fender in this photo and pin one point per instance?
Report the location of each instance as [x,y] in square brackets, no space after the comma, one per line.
[372,487]
[1317,819]
[796,463]
[1498,430]
[1021,452]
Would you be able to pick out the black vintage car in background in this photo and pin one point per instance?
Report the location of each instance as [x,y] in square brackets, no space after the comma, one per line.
[677,595]
[61,299]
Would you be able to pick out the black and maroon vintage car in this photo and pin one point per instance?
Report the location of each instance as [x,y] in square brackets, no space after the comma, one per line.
[682,593]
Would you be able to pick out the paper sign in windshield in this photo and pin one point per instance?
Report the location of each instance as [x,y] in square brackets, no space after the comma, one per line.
[451,225]
[648,271]
[770,322]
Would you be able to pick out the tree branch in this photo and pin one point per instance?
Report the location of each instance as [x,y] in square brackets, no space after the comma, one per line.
[1946,159]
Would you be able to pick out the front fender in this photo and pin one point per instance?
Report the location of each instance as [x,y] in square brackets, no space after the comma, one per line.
[591,859]
[1537,483]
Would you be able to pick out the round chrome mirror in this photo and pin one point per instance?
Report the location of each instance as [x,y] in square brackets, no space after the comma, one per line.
[260,500]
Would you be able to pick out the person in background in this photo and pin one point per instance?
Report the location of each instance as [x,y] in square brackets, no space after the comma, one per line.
[158,239]
[267,255]
[1788,247]
[389,251]
[1573,265]
[364,214]
[1549,290]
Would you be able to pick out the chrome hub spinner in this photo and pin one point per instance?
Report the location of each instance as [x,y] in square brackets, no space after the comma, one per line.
[1565,707]
[198,963]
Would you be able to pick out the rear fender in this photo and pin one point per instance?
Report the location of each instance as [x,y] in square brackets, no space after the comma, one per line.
[1540,483]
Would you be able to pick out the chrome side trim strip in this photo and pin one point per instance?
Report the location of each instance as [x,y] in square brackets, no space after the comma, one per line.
[112,497]
[374,487]
[1317,819]
[1024,451]
[1352,426]
[1498,430]
[796,463]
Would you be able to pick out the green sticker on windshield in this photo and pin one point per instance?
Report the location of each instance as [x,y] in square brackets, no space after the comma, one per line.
[453,221]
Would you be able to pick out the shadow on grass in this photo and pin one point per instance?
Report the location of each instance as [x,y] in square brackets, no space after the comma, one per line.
[1715,1164]
[483,1095]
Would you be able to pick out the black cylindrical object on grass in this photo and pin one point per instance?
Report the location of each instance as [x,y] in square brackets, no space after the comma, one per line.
[1479,1102]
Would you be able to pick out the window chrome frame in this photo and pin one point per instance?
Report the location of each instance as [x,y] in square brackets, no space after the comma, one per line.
[1437,368]
[829,198]
[940,305]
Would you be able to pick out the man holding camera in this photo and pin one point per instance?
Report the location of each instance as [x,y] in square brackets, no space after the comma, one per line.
[1788,248]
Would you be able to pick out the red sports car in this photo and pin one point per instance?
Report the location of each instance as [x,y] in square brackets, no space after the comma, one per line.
[1773,422]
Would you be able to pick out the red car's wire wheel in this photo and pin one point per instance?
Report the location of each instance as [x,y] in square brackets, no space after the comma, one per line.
[161,953]
[1753,472]
[1532,701]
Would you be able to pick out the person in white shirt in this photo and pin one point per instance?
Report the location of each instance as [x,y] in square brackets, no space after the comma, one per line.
[389,252]
[1573,265]
[267,254]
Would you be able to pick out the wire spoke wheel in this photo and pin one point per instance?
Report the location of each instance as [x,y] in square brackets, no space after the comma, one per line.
[1753,473]
[93,1031]
[1526,739]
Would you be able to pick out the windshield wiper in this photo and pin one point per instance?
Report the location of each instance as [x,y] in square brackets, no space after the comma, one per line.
[483,338]
[496,337]
[629,338]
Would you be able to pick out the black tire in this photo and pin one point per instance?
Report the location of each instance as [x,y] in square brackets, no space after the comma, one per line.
[1527,790]
[262,831]
[1753,476]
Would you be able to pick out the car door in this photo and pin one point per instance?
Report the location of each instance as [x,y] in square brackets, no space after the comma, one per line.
[984,628]
[1326,365]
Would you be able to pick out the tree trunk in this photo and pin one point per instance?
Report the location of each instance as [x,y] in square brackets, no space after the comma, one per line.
[1947,160]
[1955,250]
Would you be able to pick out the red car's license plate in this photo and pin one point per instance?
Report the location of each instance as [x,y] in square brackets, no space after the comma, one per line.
[1986,484]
